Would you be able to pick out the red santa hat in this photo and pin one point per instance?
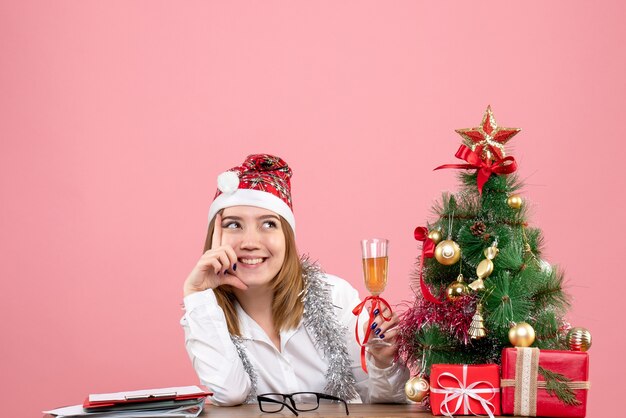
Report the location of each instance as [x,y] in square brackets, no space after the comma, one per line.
[262,181]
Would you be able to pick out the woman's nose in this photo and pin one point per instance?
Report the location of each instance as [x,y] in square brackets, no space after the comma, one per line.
[250,239]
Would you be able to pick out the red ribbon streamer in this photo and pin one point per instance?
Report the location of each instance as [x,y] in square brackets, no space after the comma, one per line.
[505,165]
[376,303]
[428,251]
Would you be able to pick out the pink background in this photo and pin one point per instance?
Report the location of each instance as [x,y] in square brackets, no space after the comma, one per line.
[116,117]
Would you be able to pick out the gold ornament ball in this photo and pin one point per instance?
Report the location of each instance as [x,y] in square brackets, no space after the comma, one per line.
[435,236]
[578,339]
[522,335]
[447,252]
[416,388]
[456,289]
[514,201]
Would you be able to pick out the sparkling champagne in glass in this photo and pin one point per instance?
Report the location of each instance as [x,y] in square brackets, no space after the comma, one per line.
[375,272]
[375,263]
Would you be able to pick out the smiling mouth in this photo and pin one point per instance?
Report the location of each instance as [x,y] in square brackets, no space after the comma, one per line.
[251,261]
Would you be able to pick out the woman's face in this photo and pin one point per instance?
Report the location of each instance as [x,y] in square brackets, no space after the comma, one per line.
[257,237]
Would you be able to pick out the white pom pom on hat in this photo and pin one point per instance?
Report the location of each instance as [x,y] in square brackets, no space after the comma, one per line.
[228,182]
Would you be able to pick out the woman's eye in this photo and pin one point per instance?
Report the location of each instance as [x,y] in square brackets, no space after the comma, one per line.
[269,224]
[230,225]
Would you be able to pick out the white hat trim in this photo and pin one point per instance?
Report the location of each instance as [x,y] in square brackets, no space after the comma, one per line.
[252,197]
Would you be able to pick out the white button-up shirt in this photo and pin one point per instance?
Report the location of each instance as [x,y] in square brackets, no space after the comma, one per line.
[298,367]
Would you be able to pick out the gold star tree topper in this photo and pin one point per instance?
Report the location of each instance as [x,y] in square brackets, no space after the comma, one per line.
[488,139]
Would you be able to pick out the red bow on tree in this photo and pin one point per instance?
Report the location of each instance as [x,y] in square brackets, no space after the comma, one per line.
[485,168]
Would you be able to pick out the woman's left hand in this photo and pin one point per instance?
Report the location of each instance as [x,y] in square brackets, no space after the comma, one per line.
[387,331]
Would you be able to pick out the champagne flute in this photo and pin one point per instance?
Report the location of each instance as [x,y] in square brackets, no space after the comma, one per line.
[375,263]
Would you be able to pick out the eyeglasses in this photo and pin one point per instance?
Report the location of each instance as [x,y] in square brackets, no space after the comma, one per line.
[300,401]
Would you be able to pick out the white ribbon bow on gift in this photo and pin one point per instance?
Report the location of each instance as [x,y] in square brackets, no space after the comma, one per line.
[463,393]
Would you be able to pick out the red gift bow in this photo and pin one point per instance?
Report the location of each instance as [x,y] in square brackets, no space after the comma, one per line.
[505,165]
[377,303]
[463,393]
[428,251]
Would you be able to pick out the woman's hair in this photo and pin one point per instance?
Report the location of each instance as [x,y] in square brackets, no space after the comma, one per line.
[287,306]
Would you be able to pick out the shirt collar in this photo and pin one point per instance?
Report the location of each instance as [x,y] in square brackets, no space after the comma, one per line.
[250,330]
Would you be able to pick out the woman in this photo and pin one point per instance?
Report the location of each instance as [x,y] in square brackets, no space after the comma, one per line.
[259,319]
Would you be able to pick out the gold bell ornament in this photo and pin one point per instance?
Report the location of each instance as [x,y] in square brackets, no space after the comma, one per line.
[457,288]
[417,388]
[477,328]
[514,201]
[485,267]
[522,335]
[578,339]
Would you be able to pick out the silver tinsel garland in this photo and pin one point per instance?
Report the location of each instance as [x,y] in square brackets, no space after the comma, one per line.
[327,332]
[247,366]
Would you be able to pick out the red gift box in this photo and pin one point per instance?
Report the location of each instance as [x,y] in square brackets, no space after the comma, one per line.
[460,389]
[523,383]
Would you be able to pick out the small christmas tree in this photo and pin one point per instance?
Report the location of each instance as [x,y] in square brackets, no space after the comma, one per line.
[482,280]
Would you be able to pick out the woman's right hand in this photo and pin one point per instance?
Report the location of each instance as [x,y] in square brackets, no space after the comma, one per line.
[216,267]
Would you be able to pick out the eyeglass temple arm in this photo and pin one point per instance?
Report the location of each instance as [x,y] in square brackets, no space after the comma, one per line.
[291,409]
[334,398]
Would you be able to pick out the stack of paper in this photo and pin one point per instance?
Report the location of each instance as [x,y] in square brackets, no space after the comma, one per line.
[184,402]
